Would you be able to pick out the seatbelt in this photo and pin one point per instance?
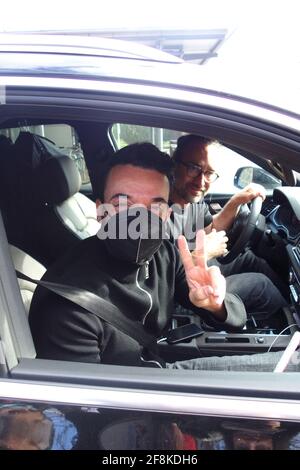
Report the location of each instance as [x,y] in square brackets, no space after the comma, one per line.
[99,307]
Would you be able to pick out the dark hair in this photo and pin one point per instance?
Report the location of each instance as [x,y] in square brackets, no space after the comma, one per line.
[141,155]
[184,141]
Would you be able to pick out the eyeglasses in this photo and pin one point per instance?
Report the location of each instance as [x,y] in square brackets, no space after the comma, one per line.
[195,170]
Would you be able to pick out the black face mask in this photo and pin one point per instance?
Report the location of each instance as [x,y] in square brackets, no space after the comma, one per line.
[133,235]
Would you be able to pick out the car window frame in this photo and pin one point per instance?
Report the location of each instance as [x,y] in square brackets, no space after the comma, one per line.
[250,388]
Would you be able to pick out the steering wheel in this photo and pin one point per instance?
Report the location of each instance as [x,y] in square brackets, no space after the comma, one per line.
[242,229]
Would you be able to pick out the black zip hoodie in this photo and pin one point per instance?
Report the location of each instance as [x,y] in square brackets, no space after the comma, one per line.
[65,331]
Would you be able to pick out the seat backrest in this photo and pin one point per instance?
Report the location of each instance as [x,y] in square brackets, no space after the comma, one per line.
[6,146]
[29,266]
[46,215]
[65,215]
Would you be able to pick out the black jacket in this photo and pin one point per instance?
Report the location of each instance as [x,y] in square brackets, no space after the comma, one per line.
[64,331]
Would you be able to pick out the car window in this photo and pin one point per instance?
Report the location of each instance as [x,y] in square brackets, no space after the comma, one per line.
[63,136]
[166,140]
[67,140]
[230,163]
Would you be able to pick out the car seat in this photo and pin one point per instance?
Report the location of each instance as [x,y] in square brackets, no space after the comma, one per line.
[63,215]
[45,214]
[25,264]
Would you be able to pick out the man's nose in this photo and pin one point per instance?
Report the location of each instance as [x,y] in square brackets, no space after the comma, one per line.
[200,179]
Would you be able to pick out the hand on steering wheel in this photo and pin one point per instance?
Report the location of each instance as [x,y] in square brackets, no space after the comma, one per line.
[243,229]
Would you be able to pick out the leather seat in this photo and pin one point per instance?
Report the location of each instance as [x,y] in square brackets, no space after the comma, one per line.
[6,146]
[64,216]
[27,265]
[45,214]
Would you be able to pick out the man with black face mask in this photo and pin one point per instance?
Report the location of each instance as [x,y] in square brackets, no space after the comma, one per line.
[130,264]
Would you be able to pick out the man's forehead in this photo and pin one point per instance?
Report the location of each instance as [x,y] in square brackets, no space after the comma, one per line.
[129,171]
[201,154]
[135,181]
[195,151]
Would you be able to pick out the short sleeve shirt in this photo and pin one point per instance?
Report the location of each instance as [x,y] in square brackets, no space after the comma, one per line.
[188,220]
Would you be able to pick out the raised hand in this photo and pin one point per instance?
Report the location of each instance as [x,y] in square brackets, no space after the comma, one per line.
[207,285]
[216,244]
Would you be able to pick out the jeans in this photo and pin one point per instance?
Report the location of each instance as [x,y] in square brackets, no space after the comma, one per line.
[248,262]
[252,279]
[258,294]
[262,362]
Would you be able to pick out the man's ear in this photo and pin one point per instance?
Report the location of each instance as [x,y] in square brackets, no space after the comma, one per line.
[104,210]
[98,210]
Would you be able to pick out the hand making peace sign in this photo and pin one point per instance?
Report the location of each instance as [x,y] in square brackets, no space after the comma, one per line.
[207,285]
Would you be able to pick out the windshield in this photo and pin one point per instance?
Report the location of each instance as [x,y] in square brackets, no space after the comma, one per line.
[248,48]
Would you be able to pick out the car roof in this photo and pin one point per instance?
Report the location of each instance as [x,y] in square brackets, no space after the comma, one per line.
[80,57]
[84,46]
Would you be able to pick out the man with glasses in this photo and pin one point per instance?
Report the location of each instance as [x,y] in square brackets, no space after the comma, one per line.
[195,170]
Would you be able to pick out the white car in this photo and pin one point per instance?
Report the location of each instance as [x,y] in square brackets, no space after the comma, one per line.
[84,99]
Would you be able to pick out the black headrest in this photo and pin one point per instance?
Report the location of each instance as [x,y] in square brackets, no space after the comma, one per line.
[5,143]
[32,149]
[58,179]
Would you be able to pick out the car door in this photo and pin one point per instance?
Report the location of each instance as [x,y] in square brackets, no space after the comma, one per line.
[181,409]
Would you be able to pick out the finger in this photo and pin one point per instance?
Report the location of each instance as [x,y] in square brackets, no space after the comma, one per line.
[195,285]
[185,253]
[218,283]
[199,254]
[262,195]
[222,237]
[200,294]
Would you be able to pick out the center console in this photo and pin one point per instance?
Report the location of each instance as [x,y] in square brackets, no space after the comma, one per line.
[294,279]
[257,337]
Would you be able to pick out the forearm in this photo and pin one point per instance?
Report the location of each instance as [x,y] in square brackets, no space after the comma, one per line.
[217,311]
[230,315]
[224,219]
[234,311]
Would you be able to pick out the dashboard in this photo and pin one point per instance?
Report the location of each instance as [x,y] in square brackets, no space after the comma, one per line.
[284,220]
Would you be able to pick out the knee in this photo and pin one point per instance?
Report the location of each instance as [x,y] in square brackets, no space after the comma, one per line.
[251,262]
[249,286]
[263,284]
[268,292]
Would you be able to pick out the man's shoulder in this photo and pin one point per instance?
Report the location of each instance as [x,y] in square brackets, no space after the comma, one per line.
[85,253]
[189,207]
[75,268]
[168,251]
